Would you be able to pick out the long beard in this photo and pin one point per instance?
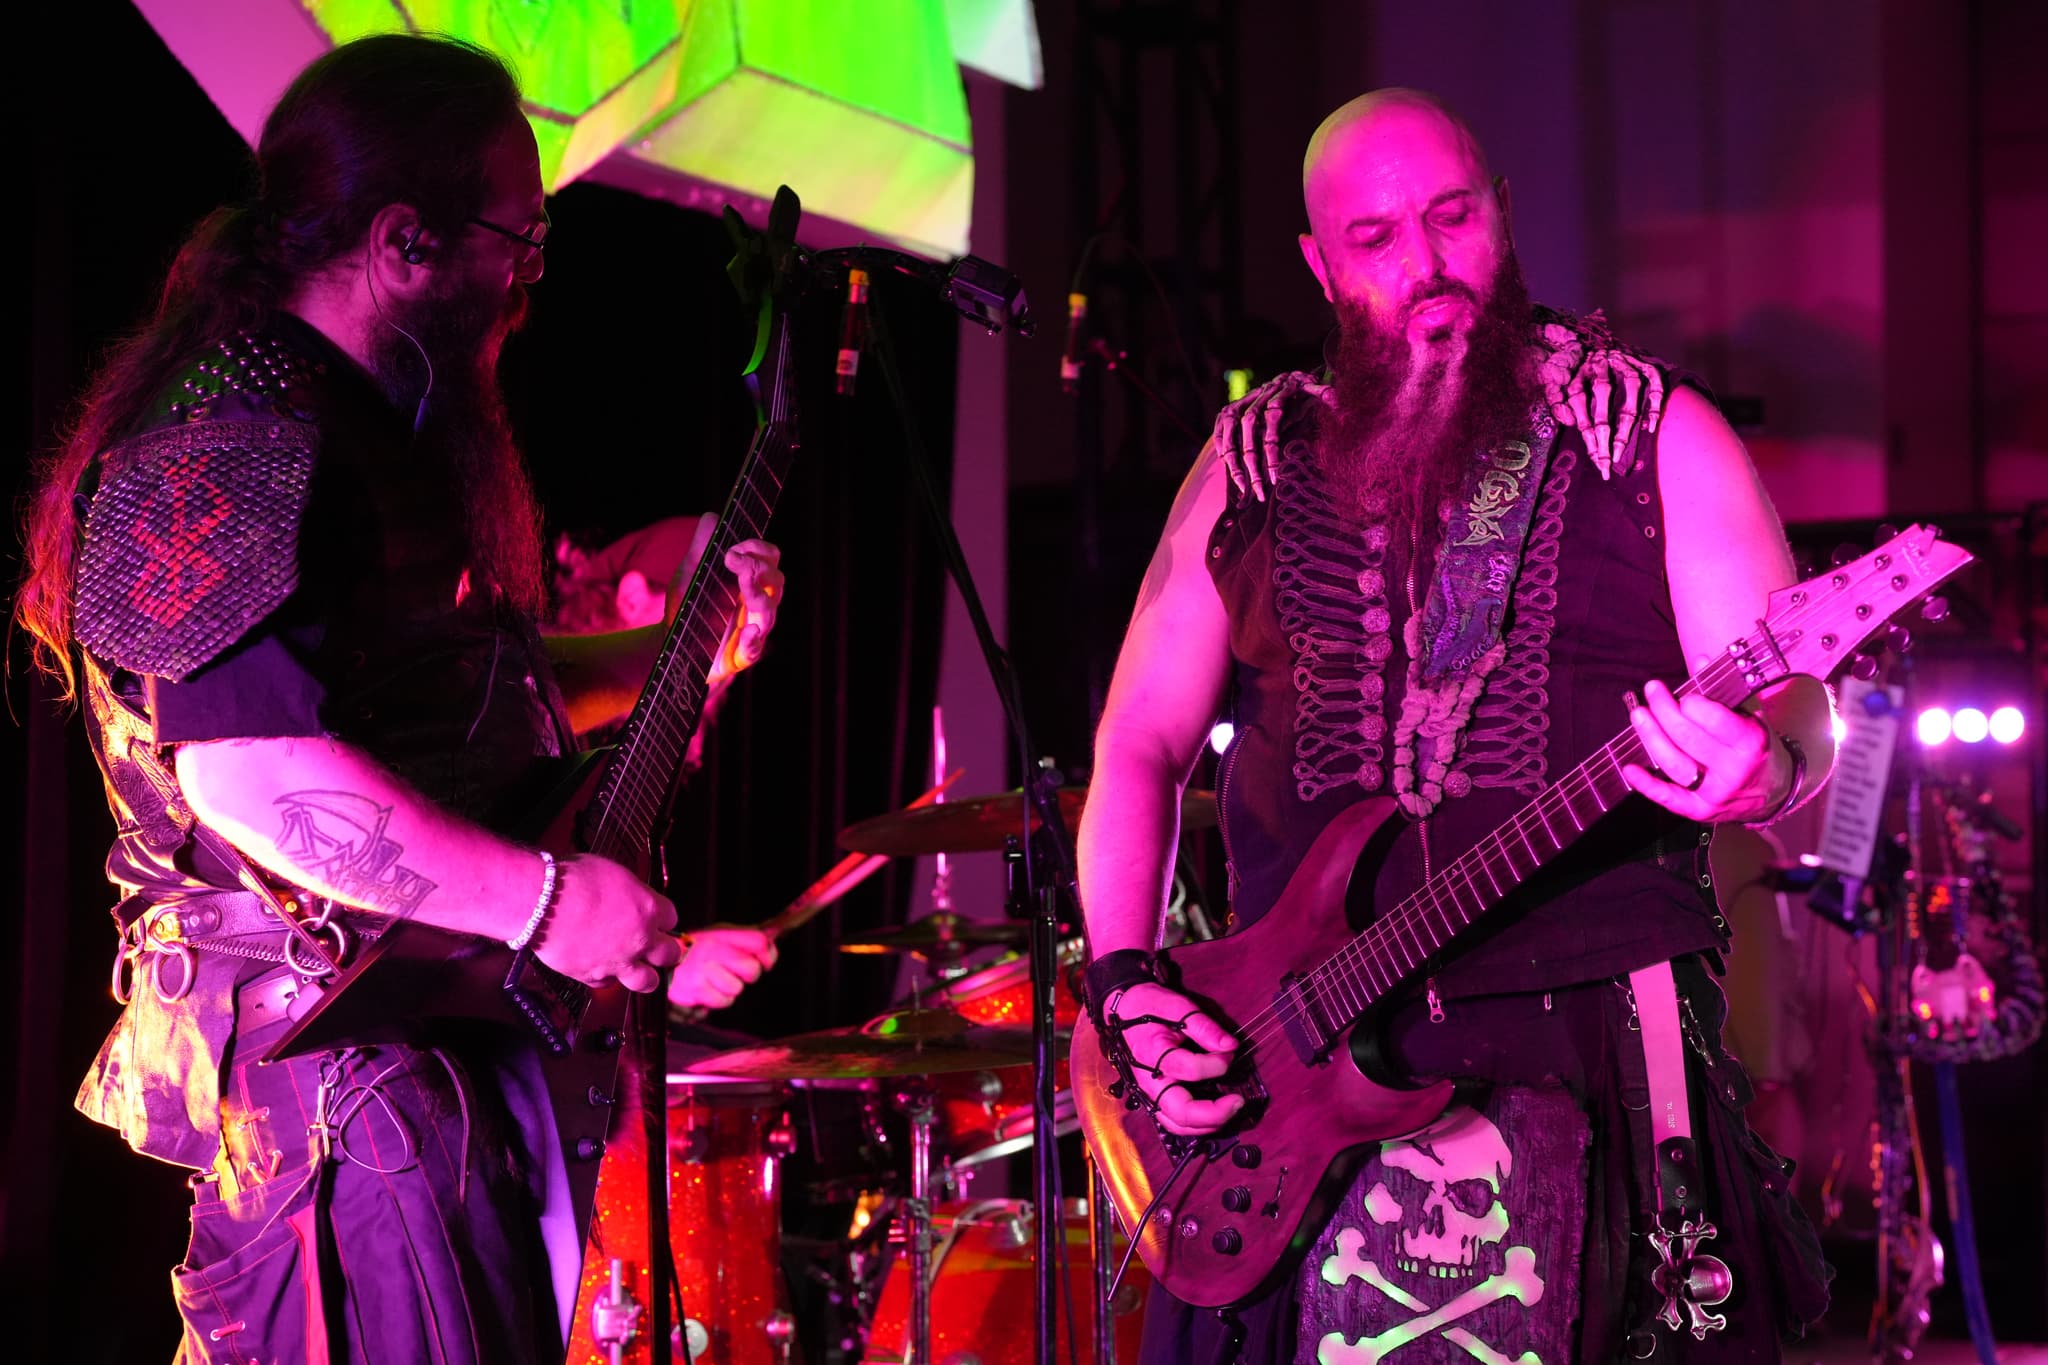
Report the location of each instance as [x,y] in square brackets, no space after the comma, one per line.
[1408,421]
[465,428]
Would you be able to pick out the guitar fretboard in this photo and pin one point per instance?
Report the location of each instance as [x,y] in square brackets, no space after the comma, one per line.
[639,780]
[1400,941]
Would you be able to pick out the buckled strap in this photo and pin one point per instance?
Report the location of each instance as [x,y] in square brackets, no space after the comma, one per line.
[1688,1281]
[223,914]
[1677,1160]
[278,995]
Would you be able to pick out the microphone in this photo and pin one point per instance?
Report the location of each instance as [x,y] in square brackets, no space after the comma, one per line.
[853,331]
[1070,358]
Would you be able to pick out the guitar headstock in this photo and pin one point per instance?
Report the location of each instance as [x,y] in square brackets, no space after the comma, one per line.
[766,271]
[1815,626]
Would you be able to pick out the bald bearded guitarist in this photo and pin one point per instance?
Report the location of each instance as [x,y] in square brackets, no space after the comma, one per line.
[1322,589]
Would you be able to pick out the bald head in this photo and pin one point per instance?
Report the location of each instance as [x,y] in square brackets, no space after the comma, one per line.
[1350,123]
[1405,219]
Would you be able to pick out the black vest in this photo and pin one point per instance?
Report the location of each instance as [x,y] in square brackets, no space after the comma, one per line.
[1317,603]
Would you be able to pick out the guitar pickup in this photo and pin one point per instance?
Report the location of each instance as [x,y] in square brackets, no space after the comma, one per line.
[1307,1031]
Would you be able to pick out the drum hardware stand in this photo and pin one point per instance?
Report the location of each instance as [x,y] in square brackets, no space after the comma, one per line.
[916,1214]
[1101,1252]
[615,1318]
[993,297]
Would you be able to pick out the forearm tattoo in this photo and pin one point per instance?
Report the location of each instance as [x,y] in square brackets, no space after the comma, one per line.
[339,838]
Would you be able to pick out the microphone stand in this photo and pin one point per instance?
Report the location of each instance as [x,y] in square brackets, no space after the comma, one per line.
[989,295]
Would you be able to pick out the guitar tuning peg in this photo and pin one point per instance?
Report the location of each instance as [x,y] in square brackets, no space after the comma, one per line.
[1934,608]
[1845,553]
[1863,667]
[1898,639]
[1886,531]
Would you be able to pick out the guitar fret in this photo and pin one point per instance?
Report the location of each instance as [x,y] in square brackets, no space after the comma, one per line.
[1436,902]
[1507,858]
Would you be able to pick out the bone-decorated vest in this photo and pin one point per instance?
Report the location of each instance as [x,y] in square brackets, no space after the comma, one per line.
[1317,600]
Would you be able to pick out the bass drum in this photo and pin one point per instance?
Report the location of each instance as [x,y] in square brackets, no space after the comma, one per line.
[984,1288]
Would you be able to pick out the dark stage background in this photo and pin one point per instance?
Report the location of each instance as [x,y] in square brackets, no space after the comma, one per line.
[625,389]
[1821,208]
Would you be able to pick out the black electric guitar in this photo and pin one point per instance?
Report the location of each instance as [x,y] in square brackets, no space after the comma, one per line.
[1215,1218]
[616,804]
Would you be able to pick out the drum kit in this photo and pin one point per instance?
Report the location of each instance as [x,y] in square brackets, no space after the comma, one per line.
[923,1274]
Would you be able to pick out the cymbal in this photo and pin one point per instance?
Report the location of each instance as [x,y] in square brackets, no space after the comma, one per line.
[913,1042]
[981,823]
[942,934]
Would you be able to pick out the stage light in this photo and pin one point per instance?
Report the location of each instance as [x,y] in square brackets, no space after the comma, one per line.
[2007,724]
[1971,726]
[1840,727]
[1933,726]
[1220,736]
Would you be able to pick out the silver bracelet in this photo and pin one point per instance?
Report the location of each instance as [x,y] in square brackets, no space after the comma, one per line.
[541,906]
[1791,801]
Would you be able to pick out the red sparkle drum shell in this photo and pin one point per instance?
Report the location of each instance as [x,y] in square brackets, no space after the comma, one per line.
[984,1290]
[984,1115]
[726,1139]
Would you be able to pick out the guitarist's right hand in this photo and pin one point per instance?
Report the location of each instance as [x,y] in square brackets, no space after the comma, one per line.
[608,925]
[1167,1058]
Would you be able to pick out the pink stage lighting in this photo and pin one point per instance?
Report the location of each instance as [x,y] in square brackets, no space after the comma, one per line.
[1970,725]
[2007,724]
[1933,727]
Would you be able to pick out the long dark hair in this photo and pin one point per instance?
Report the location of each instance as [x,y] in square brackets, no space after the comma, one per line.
[396,118]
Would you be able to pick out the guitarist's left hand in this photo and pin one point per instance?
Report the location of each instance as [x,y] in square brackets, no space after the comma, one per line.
[756,563]
[1734,770]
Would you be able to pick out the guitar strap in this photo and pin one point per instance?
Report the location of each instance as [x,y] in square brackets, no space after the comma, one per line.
[1688,1281]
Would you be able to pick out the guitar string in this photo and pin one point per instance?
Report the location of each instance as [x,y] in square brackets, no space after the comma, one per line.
[1412,914]
[634,801]
[1553,800]
[1376,937]
[630,794]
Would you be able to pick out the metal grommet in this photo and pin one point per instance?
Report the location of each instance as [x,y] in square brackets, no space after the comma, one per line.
[1642,499]
[1649,533]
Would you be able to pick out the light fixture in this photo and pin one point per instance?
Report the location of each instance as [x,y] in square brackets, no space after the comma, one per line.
[2007,724]
[1220,736]
[1933,726]
[1970,725]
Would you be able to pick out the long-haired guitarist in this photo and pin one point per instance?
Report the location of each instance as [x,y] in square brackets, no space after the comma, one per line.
[289,559]
[1445,573]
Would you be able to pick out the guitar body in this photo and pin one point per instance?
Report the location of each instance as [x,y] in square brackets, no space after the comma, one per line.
[1306,1106]
[415,972]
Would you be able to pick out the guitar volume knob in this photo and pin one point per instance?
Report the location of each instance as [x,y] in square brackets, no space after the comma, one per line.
[1245,1156]
[1228,1242]
[1237,1198]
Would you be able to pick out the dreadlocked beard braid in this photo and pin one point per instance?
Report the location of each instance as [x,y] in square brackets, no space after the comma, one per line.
[1407,424]
[467,430]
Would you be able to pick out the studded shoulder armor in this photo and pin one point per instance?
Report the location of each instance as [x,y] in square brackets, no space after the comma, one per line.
[192,536]
[246,375]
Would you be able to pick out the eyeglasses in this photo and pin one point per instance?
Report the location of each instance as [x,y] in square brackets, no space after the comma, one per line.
[534,239]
